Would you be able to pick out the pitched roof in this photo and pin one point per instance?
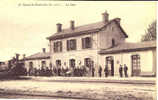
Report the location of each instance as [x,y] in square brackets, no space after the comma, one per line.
[39,55]
[127,47]
[84,29]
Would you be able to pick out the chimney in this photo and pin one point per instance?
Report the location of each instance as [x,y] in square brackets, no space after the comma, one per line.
[44,50]
[72,25]
[105,16]
[59,27]
[118,20]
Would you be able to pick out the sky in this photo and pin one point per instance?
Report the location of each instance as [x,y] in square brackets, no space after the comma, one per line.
[24,28]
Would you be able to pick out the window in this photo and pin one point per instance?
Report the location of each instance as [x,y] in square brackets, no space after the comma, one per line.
[87,62]
[86,42]
[43,63]
[58,46]
[113,42]
[71,44]
[58,62]
[135,65]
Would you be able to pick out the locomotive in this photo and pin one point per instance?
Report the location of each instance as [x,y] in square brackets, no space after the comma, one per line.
[15,67]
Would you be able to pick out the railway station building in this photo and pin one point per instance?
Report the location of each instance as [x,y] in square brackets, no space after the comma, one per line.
[103,43]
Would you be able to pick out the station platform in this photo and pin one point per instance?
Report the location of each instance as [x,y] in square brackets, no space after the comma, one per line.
[123,80]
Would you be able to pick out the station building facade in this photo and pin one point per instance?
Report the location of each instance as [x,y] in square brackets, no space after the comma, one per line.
[102,43]
[37,60]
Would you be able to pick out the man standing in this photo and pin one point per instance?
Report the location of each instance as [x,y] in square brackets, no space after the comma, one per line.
[120,70]
[125,70]
[100,71]
[93,70]
[59,71]
[106,70]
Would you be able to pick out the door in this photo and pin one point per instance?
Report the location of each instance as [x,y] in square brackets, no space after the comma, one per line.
[136,65]
[110,63]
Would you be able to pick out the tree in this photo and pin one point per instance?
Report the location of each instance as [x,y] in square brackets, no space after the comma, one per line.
[150,33]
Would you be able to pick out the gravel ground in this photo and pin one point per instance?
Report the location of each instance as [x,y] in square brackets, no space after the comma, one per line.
[96,91]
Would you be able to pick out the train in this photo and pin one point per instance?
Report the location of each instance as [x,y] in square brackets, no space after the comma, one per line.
[13,68]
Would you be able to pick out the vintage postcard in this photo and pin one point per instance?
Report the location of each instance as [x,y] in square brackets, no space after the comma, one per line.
[78,50]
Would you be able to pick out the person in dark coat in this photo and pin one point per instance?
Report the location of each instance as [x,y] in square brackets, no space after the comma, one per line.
[59,71]
[47,73]
[120,70]
[93,70]
[100,71]
[55,71]
[75,71]
[125,70]
[106,70]
[80,71]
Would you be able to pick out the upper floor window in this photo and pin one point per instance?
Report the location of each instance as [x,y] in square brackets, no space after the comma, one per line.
[58,46]
[113,42]
[71,44]
[86,43]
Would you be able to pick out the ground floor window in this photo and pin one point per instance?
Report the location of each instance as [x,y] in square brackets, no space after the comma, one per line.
[135,65]
[43,63]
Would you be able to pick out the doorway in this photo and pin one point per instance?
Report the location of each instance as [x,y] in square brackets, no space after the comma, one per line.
[110,64]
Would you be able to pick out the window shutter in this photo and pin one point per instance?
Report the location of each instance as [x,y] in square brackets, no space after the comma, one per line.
[54,47]
[60,46]
[74,44]
[57,46]
[83,43]
[86,42]
[71,45]
[90,42]
[68,43]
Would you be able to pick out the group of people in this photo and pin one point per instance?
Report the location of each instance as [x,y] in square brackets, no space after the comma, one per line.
[107,72]
[69,71]
[39,72]
[76,71]
[123,69]
[57,71]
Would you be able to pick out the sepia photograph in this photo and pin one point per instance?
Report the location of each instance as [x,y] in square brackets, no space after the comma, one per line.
[78,50]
